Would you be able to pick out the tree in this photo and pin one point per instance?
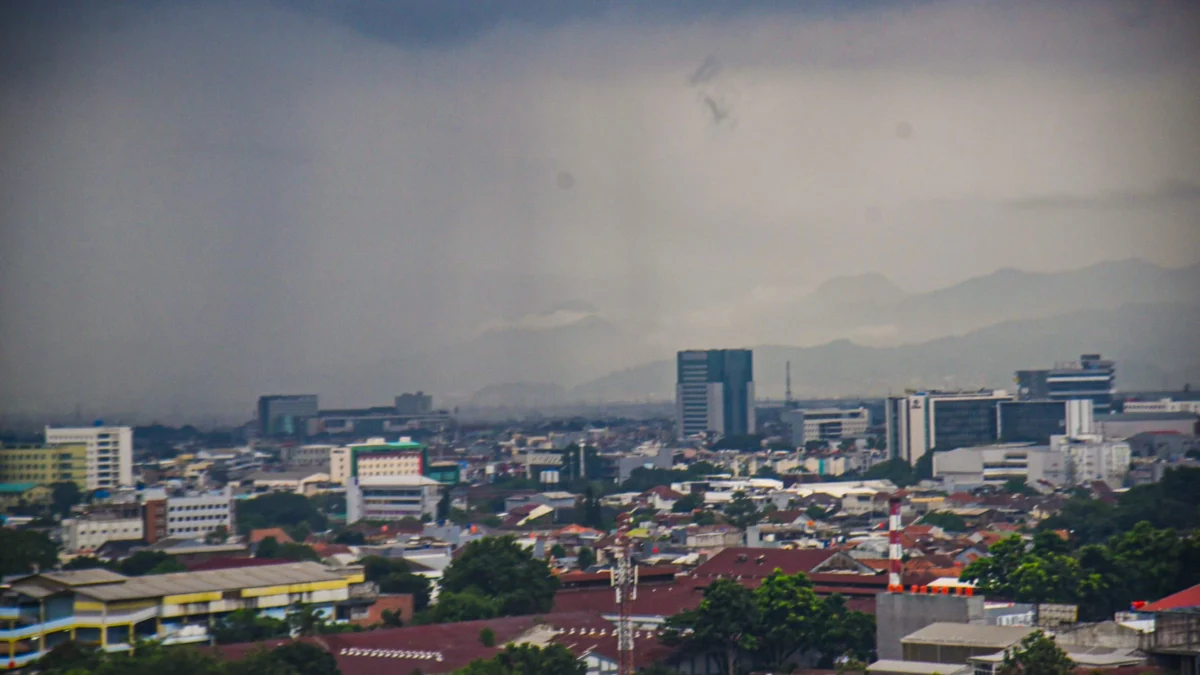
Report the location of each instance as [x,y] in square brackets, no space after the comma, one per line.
[305,658]
[149,562]
[993,574]
[1016,486]
[25,551]
[585,558]
[846,633]
[951,522]
[815,512]
[1037,654]
[391,619]
[487,637]
[791,617]
[688,503]
[395,576]
[84,562]
[500,568]
[217,536]
[267,548]
[896,470]
[247,625]
[724,625]
[558,552]
[297,552]
[279,509]
[443,505]
[461,606]
[589,513]
[741,511]
[527,659]
[307,620]
[63,496]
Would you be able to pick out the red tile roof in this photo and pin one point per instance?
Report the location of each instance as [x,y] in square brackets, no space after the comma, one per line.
[1189,597]
[281,537]
[663,492]
[432,649]
[760,562]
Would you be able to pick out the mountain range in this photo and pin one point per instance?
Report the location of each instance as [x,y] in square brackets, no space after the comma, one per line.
[858,335]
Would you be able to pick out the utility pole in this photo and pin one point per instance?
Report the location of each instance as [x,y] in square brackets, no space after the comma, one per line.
[787,396]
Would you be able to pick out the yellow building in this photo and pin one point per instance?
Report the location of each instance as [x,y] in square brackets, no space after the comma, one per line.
[41,611]
[45,464]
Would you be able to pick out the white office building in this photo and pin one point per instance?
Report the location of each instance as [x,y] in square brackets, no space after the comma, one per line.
[109,453]
[195,514]
[1091,458]
[391,497]
[84,535]
[966,468]
[826,424]
[919,422]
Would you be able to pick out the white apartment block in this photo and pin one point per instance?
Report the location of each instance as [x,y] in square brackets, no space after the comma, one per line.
[391,497]
[109,453]
[85,535]
[826,424]
[196,514]
[1164,405]
[1091,458]
[373,463]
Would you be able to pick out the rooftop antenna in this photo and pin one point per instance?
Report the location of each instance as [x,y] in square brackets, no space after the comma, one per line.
[787,396]
[624,578]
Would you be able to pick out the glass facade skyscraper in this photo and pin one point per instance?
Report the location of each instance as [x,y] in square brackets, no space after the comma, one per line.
[714,392]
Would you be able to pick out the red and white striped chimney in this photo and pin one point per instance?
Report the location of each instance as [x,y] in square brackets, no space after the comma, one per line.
[895,550]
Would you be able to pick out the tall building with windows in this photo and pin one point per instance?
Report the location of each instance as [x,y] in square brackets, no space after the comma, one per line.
[109,453]
[1091,377]
[714,392]
[919,422]
[285,414]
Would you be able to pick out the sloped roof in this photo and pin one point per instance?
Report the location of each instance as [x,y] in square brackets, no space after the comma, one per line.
[281,537]
[1185,599]
[760,562]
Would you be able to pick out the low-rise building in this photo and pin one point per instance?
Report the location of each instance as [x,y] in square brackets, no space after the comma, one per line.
[1092,458]
[391,497]
[187,514]
[86,532]
[114,611]
[964,468]
[304,482]
[24,494]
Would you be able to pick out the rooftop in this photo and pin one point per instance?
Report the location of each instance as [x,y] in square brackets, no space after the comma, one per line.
[109,586]
[967,634]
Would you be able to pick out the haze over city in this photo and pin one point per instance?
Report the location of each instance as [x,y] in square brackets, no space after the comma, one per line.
[206,202]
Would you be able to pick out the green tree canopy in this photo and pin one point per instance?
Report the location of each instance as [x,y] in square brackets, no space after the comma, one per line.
[279,509]
[791,617]
[950,522]
[741,511]
[23,551]
[149,562]
[585,558]
[688,503]
[63,496]
[726,624]
[500,568]
[1037,654]
[395,576]
[247,625]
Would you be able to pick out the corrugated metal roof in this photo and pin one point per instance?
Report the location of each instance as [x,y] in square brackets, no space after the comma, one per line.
[159,585]
[968,634]
[915,667]
[85,577]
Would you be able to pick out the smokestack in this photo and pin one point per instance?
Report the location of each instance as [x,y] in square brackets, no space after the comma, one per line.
[895,551]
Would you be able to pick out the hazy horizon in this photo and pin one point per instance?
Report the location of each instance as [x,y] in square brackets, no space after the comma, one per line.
[205,202]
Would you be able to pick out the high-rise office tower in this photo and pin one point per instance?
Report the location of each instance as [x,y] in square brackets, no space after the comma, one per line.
[285,413]
[1091,377]
[919,422]
[714,392]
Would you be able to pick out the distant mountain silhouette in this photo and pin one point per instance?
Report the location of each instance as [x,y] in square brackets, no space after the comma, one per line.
[1154,345]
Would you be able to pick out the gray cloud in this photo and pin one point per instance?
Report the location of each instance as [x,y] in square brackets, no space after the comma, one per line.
[1167,193]
[202,202]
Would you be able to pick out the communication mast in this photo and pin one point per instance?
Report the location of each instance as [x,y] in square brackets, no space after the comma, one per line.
[787,396]
[624,580]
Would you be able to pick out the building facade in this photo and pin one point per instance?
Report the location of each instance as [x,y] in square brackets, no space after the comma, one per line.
[391,497]
[376,458]
[45,464]
[825,424]
[1091,458]
[1164,405]
[714,392]
[307,456]
[920,422]
[192,515]
[42,611]
[966,468]
[109,453]
[285,414]
[84,535]
[1037,421]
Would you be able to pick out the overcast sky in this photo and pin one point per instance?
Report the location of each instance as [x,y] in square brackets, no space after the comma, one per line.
[213,195]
